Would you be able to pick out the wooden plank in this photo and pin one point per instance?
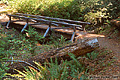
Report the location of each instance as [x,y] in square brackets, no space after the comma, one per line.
[16,20]
[36,23]
[61,27]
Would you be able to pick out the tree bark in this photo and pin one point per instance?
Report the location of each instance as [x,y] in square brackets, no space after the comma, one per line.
[78,49]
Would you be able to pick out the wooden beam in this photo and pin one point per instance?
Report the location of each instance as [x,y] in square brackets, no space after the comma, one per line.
[47,21]
[61,27]
[58,19]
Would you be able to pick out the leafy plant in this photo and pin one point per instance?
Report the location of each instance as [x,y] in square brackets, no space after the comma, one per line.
[34,37]
[3,68]
[57,41]
[52,70]
[93,55]
[4,53]
[70,9]
[33,34]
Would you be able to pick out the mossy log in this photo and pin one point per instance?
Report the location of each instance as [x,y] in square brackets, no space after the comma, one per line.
[78,49]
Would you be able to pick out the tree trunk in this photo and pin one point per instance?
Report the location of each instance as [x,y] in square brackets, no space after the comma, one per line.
[78,49]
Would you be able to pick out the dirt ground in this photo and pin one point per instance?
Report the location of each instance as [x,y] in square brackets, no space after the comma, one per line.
[114,46]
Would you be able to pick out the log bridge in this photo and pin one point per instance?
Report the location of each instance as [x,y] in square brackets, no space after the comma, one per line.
[39,20]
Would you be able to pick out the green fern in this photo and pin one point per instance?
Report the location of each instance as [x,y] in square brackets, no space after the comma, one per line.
[93,55]
[67,70]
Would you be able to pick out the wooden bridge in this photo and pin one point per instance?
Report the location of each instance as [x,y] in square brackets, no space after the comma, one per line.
[53,23]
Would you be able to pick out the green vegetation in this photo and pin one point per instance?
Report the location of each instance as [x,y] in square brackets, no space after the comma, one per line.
[85,10]
[14,45]
[4,52]
[19,46]
[93,55]
[66,70]
[97,12]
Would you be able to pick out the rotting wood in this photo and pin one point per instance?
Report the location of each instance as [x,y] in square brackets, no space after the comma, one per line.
[78,49]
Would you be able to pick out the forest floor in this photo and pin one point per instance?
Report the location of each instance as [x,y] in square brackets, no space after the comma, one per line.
[114,46]
[104,42]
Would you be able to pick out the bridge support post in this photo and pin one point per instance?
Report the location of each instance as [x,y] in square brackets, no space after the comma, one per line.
[73,35]
[25,26]
[8,22]
[47,29]
[83,27]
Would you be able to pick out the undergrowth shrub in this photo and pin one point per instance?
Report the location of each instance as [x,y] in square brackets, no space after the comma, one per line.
[113,8]
[14,45]
[70,9]
[93,55]
[67,70]
[34,37]
[83,10]
[57,41]
[4,53]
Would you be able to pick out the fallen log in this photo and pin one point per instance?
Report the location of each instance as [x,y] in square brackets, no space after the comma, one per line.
[78,49]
